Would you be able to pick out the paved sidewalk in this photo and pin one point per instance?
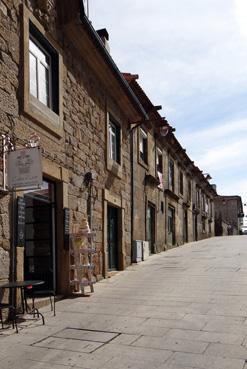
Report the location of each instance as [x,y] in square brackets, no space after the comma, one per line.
[182,309]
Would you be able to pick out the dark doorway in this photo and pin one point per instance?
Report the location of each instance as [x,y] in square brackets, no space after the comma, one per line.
[112,237]
[185,226]
[151,227]
[40,255]
[171,226]
[195,228]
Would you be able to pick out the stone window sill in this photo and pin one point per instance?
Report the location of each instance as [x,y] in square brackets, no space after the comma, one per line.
[114,168]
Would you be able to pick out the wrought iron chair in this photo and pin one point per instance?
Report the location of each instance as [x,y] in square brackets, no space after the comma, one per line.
[12,314]
[45,290]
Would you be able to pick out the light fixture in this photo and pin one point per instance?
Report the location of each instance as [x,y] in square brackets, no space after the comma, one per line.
[164,131]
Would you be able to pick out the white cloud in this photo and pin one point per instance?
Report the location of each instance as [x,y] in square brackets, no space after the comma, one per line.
[241,15]
[221,132]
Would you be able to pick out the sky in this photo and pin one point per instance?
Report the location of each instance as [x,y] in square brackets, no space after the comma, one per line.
[191,58]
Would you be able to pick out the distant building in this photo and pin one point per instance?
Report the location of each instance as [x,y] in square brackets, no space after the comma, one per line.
[228,210]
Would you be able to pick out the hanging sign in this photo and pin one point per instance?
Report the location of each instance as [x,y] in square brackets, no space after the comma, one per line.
[24,168]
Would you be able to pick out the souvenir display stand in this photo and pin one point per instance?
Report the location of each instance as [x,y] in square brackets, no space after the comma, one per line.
[81,252]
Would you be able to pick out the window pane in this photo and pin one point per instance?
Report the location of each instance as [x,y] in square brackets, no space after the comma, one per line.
[33,75]
[43,83]
[143,146]
[39,72]
[114,142]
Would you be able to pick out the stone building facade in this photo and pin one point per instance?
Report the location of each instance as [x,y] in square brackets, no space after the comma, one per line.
[228,215]
[70,94]
[173,201]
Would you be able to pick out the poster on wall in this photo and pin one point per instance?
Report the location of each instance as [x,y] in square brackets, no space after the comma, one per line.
[24,168]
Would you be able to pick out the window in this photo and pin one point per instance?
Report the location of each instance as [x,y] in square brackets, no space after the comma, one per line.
[206,205]
[203,202]
[159,161]
[203,225]
[39,73]
[197,197]
[181,183]
[114,141]
[189,190]
[43,70]
[42,76]
[143,146]
[171,175]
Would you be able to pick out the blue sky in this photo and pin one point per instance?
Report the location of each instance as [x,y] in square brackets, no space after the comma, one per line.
[191,57]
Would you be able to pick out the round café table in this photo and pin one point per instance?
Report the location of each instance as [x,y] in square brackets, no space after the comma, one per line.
[22,285]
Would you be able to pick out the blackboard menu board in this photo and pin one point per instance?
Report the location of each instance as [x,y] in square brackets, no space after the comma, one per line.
[66,227]
[21,217]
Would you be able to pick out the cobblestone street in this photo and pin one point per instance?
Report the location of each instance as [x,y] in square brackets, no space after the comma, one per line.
[184,308]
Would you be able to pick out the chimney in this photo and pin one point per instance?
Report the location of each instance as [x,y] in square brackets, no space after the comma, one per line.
[103,34]
[214,187]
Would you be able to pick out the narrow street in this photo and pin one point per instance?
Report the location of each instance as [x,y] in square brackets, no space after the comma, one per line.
[181,309]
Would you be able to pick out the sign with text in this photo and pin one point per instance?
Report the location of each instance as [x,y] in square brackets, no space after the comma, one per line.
[24,168]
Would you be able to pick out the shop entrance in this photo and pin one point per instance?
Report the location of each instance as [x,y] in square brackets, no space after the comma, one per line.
[40,255]
[112,237]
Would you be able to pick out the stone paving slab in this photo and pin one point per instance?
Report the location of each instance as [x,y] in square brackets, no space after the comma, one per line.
[172,344]
[231,351]
[204,336]
[204,361]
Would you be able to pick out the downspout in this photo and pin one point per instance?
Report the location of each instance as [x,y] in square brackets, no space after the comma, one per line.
[132,191]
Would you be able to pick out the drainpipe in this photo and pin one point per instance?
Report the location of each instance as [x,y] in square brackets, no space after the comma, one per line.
[132,190]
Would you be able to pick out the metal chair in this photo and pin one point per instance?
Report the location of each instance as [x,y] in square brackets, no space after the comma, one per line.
[12,314]
[44,290]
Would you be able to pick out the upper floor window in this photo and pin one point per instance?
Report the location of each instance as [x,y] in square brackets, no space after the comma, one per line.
[159,161]
[206,205]
[203,202]
[42,75]
[171,175]
[198,197]
[181,183]
[143,146]
[114,141]
[39,73]
[189,190]
[43,70]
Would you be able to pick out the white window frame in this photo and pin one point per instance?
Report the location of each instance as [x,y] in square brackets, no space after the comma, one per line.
[143,136]
[47,66]
[114,141]
[158,155]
